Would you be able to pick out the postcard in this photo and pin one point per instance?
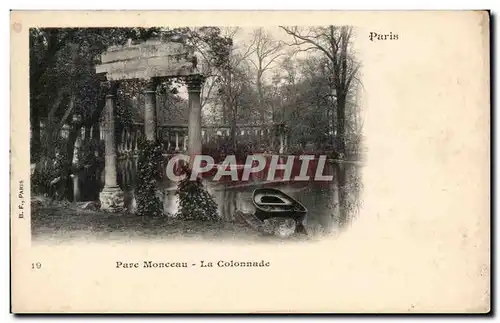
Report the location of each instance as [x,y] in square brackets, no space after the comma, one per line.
[250,162]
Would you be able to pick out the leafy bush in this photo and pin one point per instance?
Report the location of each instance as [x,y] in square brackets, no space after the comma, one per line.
[89,167]
[148,174]
[48,170]
[41,179]
[335,155]
[90,154]
[195,202]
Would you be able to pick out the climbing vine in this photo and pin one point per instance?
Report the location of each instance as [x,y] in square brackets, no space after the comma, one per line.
[149,164]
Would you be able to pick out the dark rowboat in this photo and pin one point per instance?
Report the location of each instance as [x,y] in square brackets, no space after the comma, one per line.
[270,203]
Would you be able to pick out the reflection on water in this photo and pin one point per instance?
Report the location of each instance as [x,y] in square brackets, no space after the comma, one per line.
[330,204]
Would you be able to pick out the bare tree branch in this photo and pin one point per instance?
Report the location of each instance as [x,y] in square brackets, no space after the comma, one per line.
[308,40]
[266,67]
[207,95]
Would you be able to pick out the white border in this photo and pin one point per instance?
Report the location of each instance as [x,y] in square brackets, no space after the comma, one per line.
[180,5]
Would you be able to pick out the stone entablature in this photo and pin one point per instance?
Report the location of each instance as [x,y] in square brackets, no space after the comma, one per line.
[151,59]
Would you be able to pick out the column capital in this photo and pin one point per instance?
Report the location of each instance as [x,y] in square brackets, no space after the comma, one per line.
[194,82]
[111,87]
[151,85]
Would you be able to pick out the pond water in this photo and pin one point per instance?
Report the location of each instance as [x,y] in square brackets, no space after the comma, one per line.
[330,204]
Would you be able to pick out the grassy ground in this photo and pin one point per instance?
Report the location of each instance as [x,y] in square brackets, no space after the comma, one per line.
[67,223]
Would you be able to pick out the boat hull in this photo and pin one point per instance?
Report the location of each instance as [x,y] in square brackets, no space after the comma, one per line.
[278,204]
[263,215]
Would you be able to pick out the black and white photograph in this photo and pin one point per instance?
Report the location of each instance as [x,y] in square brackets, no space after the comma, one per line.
[208,132]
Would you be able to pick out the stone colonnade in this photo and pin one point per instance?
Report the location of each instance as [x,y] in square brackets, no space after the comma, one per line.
[111,197]
[251,132]
[179,142]
[194,84]
[175,137]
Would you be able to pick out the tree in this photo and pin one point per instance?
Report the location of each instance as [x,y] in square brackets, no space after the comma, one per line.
[65,90]
[233,80]
[266,52]
[211,46]
[302,102]
[334,43]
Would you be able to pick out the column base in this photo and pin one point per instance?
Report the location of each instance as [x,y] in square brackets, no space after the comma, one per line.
[111,199]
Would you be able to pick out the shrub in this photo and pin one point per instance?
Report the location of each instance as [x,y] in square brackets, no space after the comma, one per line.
[48,170]
[90,154]
[41,178]
[195,202]
[89,166]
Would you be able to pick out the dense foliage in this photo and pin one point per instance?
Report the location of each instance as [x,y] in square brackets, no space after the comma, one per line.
[195,202]
[46,181]
[148,175]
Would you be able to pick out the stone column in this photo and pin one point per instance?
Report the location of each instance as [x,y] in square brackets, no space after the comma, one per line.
[176,141]
[281,143]
[150,110]
[185,143]
[194,84]
[273,135]
[76,151]
[136,141]
[111,196]
[168,139]
[76,188]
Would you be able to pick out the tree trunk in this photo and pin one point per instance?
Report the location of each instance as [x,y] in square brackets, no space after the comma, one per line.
[35,136]
[96,132]
[233,131]
[224,113]
[261,99]
[332,113]
[52,129]
[65,187]
[341,101]
[88,128]
[47,148]
[261,106]
[343,194]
